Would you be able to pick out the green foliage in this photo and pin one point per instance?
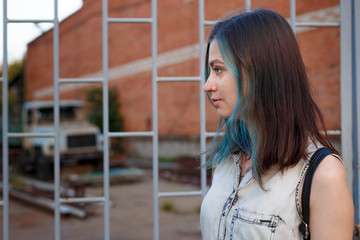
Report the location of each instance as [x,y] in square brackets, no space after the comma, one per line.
[116,120]
[172,159]
[15,70]
[167,207]
[16,73]
[167,159]
[94,98]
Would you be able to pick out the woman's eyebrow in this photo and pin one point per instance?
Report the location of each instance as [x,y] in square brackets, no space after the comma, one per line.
[215,61]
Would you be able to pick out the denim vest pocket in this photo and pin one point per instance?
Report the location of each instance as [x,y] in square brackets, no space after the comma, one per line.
[258,226]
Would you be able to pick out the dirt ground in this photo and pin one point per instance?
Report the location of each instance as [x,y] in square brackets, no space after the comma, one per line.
[131,216]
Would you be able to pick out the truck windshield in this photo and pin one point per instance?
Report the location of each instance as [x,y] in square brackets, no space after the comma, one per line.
[46,115]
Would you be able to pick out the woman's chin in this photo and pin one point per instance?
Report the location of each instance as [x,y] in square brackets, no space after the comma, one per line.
[223,114]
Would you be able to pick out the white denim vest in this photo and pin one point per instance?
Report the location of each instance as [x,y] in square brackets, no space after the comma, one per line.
[234,209]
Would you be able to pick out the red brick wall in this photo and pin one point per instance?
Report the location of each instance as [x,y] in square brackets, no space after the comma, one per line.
[81,55]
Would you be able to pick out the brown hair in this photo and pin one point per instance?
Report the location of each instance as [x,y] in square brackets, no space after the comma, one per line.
[279,112]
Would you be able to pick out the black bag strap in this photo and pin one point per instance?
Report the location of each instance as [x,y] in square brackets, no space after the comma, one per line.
[315,160]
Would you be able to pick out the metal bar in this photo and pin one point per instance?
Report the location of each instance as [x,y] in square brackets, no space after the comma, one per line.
[356,41]
[131,134]
[1,203]
[317,24]
[46,203]
[56,123]
[333,132]
[180,194]
[179,79]
[30,20]
[354,114]
[209,23]
[80,80]
[203,179]
[346,90]
[5,145]
[293,15]
[31,135]
[155,129]
[105,67]
[210,134]
[130,20]
[248,5]
[82,200]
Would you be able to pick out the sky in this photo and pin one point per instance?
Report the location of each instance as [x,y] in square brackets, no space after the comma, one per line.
[19,34]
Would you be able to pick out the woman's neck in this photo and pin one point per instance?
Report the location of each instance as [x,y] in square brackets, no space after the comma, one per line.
[246,164]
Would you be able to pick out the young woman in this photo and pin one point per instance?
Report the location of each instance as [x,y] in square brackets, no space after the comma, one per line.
[257,82]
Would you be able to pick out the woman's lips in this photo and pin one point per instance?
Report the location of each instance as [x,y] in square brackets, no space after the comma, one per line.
[215,101]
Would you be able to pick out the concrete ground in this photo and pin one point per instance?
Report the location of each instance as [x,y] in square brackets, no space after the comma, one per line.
[131,216]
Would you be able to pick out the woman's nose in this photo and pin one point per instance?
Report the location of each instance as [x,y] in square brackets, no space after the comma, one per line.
[209,86]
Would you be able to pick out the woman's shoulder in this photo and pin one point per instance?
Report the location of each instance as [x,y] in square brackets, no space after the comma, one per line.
[330,172]
[330,190]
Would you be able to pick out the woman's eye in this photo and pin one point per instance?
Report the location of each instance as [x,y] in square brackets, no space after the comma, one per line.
[218,70]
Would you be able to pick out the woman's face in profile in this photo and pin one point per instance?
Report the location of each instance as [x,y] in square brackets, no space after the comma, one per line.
[221,85]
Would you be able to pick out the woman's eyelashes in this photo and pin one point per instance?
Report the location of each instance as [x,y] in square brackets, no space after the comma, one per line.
[218,70]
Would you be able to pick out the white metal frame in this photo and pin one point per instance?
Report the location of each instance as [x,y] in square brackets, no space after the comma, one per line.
[356,102]
[346,87]
[346,101]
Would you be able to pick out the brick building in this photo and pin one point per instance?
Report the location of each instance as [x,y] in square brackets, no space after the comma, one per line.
[130,62]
